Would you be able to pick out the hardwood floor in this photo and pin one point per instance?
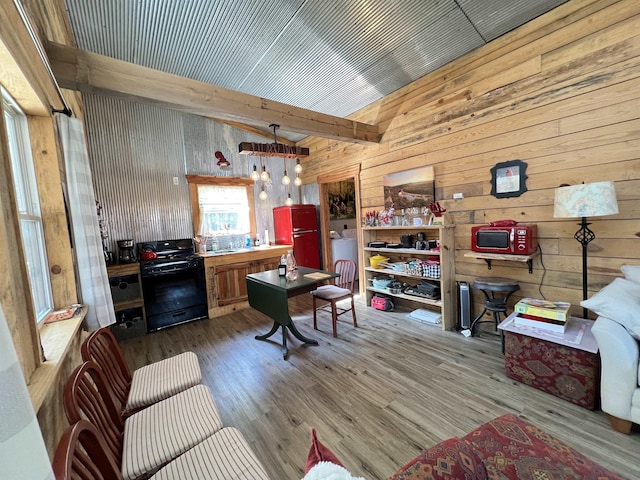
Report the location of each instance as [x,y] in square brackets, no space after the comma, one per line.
[377,395]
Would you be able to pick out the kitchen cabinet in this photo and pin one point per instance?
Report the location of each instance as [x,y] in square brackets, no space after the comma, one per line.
[128,301]
[226,276]
[230,280]
[446,304]
[230,284]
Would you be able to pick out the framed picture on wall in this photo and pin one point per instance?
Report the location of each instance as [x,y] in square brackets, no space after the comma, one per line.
[409,189]
[342,200]
[508,179]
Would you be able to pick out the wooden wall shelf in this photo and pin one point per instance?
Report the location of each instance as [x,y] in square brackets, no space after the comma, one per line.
[488,257]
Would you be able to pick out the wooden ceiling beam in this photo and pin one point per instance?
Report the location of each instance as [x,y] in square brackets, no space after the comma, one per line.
[250,129]
[22,69]
[89,72]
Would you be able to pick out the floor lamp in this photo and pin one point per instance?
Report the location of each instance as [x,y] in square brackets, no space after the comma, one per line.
[582,201]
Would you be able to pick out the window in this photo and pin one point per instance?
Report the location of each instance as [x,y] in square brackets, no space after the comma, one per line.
[222,205]
[223,210]
[31,230]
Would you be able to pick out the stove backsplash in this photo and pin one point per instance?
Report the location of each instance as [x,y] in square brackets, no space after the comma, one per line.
[225,242]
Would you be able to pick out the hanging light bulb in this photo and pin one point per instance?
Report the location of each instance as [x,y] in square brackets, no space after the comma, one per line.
[264,176]
[263,194]
[286,180]
[255,175]
[289,201]
[298,167]
[297,181]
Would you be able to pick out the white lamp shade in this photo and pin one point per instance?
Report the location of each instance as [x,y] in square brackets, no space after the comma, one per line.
[585,200]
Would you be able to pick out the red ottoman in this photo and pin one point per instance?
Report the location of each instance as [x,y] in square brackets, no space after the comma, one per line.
[505,447]
[564,371]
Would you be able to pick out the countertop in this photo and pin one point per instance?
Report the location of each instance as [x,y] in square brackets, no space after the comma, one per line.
[225,256]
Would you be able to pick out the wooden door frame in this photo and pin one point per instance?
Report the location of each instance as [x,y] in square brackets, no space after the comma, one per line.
[346,174]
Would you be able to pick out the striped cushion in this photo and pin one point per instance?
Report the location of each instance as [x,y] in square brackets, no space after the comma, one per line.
[160,380]
[329,292]
[225,456]
[167,429]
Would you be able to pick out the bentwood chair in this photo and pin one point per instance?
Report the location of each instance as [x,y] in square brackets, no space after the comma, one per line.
[83,454]
[147,385]
[147,440]
[342,289]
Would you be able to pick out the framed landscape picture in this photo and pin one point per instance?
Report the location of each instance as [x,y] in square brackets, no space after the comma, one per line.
[408,189]
[342,200]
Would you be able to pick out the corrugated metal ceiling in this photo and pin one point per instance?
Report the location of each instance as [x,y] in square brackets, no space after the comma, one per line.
[331,56]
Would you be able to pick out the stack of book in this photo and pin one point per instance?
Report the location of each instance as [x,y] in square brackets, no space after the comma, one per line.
[542,314]
[63,314]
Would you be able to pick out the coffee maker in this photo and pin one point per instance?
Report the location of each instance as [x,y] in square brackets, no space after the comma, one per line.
[421,243]
[126,253]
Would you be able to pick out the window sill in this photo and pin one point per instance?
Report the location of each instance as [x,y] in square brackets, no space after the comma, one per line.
[56,340]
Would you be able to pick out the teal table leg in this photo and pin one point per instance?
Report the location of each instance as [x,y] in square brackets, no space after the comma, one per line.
[273,330]
[274,303]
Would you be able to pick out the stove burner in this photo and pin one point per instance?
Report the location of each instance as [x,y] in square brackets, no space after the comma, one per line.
[173,256]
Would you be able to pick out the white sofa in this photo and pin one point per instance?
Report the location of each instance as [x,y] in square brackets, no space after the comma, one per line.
[620,377]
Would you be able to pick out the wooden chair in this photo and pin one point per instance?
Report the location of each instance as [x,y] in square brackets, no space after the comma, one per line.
[83,454]
[147,385]
[150,438]
[340,290]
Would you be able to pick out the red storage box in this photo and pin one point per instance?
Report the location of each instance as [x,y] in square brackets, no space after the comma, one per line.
[562,371]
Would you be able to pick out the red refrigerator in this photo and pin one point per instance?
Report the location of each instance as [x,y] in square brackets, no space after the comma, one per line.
[297,225]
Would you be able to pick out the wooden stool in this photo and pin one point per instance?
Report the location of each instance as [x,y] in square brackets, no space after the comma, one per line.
[497,305]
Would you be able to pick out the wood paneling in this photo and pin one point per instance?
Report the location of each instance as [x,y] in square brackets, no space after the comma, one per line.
[18,43]
[56,231]
[34,91]
[15,295]
[561,93]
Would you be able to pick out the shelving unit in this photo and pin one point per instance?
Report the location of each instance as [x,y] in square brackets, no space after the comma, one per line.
[444,234]
[128,301]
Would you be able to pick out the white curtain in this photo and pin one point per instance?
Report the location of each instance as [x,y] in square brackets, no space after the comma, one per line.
[92,270]
[23,455]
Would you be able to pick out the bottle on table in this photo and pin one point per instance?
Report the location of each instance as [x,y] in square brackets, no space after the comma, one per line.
[292,273]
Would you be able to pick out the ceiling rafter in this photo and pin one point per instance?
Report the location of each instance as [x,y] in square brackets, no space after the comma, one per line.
[77,69]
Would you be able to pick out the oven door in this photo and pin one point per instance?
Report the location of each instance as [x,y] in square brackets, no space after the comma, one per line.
[173,298]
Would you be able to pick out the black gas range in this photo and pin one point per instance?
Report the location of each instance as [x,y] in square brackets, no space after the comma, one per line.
[173,283]
[170,256]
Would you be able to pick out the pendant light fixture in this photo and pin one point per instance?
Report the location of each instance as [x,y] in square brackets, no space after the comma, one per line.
[274,149]
[286,180]
[264,175]
[263,194]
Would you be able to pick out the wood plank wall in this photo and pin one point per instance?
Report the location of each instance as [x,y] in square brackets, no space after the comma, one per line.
[561,93]
[50,20]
